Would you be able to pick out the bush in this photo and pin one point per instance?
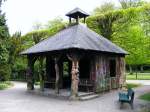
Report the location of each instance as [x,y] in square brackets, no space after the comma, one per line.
[132,85]
[5,72]
[4,85]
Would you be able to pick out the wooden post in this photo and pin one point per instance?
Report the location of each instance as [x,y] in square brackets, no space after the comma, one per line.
[75,76]
[30,72]
[41,73]
[60,74]
[84,20]
[57,76]
[77,20]
[69,20]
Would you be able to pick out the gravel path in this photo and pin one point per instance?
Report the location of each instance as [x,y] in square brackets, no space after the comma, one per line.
[17,99]
[143,82]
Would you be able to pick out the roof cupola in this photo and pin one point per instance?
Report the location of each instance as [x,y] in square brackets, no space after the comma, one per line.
[76,14]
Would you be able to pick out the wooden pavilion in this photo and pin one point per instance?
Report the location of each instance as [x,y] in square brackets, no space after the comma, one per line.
[92,62]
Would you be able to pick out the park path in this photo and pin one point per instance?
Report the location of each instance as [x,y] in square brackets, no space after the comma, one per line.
[17,99]
[143,82]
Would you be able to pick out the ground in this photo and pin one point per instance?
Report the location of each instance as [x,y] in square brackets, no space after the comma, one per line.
[18,99]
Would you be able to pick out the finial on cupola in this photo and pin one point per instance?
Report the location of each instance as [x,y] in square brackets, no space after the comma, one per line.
[77,13]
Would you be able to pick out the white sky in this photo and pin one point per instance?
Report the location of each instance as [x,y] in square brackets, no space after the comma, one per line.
[22,14]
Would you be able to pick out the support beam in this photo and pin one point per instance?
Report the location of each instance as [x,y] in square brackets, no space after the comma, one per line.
[57,76]
[69,20]
[30,73]
[75,76]
[41,73]
[84,20]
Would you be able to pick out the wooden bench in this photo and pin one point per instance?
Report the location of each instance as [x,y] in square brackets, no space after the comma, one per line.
[127,97]
[88,84]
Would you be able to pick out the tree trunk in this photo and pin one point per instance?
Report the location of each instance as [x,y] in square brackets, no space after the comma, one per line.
[75,79]
[41,74]
[141,68]
[136,72]
[57,76]
[130,68]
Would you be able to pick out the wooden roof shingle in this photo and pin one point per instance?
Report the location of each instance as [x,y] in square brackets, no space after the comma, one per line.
[78,36]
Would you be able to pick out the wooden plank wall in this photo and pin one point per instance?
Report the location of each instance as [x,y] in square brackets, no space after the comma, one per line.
[101,72]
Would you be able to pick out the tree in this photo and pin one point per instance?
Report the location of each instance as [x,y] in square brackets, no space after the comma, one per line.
[131,3]
[128,28]
[55,23]
[104,8]
[4,45]
[14,50]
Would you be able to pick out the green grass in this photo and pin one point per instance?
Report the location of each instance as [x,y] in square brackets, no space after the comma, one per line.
[5,84]
[37,83]
[145,96]
[140,76]
[132,85]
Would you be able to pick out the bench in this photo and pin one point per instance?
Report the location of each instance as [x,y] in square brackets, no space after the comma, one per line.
[127,97]
[88,84]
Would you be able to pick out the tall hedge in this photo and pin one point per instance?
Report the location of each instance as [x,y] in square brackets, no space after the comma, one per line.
[128,28]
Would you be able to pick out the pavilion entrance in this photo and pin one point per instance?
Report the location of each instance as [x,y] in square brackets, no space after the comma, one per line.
[65,66]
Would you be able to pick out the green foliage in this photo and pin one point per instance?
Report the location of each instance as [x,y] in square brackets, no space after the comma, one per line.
[106,7]
[55,23]
[20,43]
[4,72]
[4,45]
[3,53]
[145,96]
[132,85]
[128,28]
[131,3]
[3,27]
[4,85]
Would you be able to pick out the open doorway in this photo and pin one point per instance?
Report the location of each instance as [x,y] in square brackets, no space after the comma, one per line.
[84,68]
[66,74]
[112,66]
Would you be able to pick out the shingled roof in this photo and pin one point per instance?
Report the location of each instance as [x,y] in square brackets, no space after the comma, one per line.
[77,12]
[79,37]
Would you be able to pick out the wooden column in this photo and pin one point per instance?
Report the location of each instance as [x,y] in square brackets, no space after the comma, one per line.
[57,76]
[84,20]
[60,74]
[41,73]
[30,73]
[75,76]
[69,20]
[120,71]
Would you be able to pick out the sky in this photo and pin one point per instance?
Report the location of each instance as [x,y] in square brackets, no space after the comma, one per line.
[22,14]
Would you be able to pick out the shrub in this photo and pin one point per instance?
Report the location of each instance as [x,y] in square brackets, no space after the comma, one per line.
[5,72]
[4,85]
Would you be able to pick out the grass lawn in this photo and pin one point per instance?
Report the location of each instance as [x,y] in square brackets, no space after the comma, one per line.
[145,96]
[140,76]
[132,85]
[5,84]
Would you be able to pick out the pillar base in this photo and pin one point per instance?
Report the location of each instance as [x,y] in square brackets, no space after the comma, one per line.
[74,98]
[30,86]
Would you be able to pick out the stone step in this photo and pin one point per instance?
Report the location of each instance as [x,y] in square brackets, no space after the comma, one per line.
[86,94]
[88,97]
